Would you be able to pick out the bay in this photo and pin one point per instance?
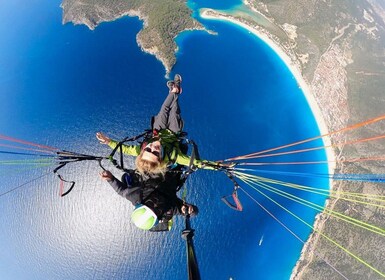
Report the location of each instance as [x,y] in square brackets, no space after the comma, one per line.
[61,84]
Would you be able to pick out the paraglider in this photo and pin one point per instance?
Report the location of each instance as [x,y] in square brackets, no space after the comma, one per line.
[173,163]
[159,174]
[154,198]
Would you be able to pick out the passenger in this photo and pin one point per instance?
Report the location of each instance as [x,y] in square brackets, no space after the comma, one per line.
[154,197]
[162,150]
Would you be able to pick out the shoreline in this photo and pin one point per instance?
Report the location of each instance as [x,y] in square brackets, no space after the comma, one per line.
[296,73]
[160,55]
[316,111]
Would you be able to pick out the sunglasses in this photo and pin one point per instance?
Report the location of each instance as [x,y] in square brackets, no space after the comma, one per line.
[149,150]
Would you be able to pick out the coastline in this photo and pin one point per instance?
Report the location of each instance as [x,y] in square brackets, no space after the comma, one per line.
[163,50]
[316,111]
[293,69]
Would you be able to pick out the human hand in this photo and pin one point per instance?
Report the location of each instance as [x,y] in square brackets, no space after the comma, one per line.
[103,139]
[188,209]
[106,175]
[227,165]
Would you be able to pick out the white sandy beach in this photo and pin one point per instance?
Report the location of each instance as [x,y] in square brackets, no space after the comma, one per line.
[294,70]
[296,274]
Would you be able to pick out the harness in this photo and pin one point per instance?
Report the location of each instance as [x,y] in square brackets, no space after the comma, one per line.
[148,136]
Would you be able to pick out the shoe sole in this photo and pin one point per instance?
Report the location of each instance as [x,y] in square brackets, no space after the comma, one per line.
[178,78]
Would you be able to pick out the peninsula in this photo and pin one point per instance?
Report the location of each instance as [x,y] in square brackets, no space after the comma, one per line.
[162,21]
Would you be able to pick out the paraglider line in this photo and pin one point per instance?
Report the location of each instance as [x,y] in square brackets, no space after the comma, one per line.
[24,184]
[252,156]
[291,232]
[355,126]
[322,234]
[11,139]
[317,207]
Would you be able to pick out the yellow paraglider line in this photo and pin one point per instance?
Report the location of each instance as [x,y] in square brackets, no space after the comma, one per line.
[317,231]
[317,207]
[290,231]
[333,194]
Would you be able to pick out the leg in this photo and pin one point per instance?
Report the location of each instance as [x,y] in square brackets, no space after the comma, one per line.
[162,119]
[175,122]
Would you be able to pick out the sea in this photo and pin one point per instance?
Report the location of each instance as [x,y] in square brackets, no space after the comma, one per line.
[60,84]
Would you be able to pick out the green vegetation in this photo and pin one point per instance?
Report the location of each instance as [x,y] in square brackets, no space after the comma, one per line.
[351,36]
[163,21]
[343,43]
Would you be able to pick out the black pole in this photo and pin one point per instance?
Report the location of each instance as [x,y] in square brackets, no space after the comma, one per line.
[192,265]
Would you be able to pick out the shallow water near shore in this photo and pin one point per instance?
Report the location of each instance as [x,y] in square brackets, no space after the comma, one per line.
[67,82]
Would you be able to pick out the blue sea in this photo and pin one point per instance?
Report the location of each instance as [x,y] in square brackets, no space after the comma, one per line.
[60,84]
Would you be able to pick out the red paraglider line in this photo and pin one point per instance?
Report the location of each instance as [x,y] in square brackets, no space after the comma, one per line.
[7,138]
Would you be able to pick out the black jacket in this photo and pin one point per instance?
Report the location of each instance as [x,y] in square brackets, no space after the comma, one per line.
[158,193]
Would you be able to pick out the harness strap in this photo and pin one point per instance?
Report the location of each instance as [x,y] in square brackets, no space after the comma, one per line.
[62,186]
[69,157]
[238,205]
[61,192]
[120,147]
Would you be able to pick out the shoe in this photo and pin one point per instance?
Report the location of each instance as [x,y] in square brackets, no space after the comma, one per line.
[178,79]
[170,85]
[177,82]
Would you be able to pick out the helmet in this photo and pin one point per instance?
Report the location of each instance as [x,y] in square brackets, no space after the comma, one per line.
[143,217]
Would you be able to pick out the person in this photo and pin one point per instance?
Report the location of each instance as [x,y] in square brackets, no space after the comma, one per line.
[154,197]
[157,154]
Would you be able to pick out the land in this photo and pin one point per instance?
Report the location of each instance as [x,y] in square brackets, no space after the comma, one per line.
[162,21]
[336,49]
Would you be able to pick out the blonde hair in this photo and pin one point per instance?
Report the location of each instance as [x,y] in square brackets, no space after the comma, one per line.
[149,167]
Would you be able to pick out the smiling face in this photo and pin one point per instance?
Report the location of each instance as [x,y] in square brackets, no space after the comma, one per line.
[152,152]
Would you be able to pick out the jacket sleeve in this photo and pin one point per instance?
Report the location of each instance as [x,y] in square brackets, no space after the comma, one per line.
[133,194]
[132,150]
[183,159]
[177,210]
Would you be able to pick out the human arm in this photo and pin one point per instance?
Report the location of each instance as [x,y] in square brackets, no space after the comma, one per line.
[184,208]
[133,194]
[183,159]
[132,150]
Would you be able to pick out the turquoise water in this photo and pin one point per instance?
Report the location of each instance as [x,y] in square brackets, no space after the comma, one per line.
[60,84]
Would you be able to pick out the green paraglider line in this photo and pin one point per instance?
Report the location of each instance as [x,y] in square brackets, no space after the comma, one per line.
[374,178]
[317,207]
[12,171]
[26,154]
[319,232]
[28,162]
[253,181]
[290,231]
[347,196]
